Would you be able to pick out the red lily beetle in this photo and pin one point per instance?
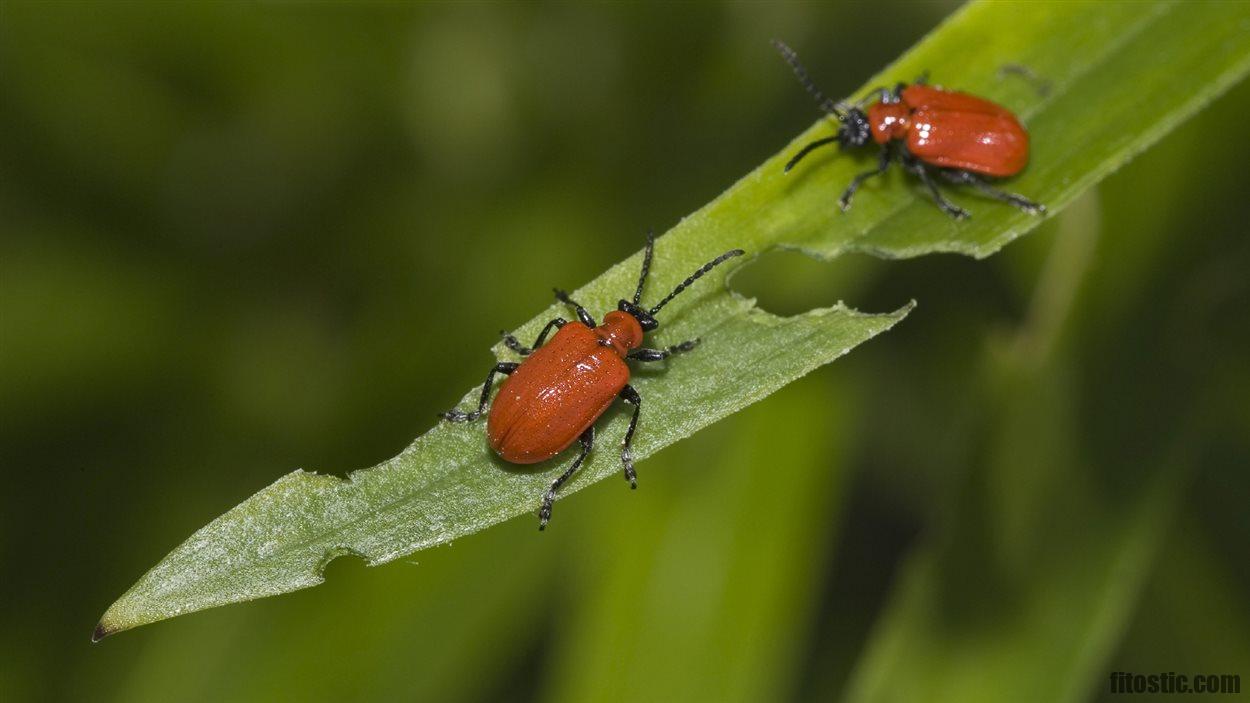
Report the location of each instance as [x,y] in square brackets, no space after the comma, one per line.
[555,396]
[961,137]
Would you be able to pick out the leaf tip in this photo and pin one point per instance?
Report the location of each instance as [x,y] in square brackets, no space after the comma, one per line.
[101,631]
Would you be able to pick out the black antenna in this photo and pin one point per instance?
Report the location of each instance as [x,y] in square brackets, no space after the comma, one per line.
[696,276]
[827,105]
[646,265]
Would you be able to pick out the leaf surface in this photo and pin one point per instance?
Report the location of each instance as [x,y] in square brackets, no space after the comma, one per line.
[1120,76]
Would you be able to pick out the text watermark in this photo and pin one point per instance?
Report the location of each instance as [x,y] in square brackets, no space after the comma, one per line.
[1172,682]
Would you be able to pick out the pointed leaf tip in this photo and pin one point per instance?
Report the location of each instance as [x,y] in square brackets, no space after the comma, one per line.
[100,632]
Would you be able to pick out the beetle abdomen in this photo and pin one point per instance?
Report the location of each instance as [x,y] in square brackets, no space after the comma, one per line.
[556,393]
[958,130]
[993,145]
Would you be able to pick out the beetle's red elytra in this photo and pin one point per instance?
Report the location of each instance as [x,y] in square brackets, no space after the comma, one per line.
[562,388]
[957,136]
[553,397]
[952,130]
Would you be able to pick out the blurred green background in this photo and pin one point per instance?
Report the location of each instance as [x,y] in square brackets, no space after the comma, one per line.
[230,238]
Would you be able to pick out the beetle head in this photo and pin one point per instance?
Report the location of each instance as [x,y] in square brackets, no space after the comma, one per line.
[855,129]
[645,319]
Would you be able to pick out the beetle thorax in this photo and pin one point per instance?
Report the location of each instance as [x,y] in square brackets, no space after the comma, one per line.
[889,121]
[620,330]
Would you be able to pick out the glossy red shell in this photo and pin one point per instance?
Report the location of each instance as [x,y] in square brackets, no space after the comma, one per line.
[561,389]
[953,130]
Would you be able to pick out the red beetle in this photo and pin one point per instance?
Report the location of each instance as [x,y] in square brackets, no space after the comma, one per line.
[555,395]
[960,136]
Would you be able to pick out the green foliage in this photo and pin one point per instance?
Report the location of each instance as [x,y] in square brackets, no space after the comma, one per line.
[1004,601]
[1121,76]
[449,483]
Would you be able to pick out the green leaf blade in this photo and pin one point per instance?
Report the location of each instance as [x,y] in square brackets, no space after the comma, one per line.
[448,484]
[1122,75]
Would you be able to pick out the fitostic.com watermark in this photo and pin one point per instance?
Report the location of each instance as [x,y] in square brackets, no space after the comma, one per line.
[1172,682]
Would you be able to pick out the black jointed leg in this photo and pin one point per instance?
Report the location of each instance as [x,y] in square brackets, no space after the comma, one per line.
[807,150]
[880,94]
[511,342]
[1039,84]
[972,179]
[457,415]
[549,498]
[947,206]
[629,395]
[582,315]
[883,163]
[645,354]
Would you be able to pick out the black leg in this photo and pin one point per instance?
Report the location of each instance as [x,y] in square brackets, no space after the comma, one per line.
[883,163]
[1040,85]
[629,395]
[544,513]
[972,179]
[582,315]
[511,342]
[645,354]
[881,94]
[457,415]
[947,206]
[807,150]
[922,79]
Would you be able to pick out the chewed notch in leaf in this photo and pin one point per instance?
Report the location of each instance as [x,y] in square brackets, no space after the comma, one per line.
[448,484]
[1142,68]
